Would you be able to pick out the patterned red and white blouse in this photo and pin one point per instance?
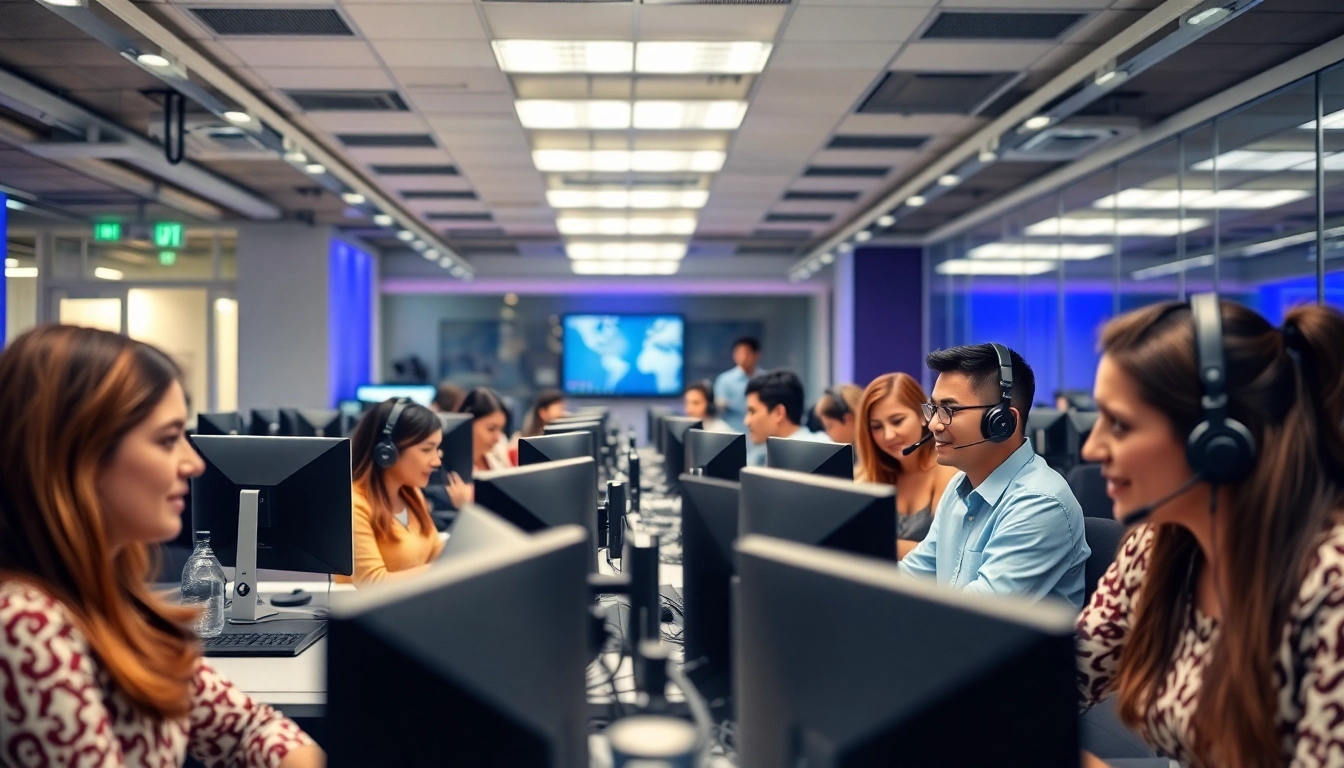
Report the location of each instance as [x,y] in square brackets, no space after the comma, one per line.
[1309,663]
[58,707]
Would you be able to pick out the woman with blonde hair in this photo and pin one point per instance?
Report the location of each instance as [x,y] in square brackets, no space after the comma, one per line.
[95,668]
[890,425]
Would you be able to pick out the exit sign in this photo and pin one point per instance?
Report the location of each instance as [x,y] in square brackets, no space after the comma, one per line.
[167,258]
[168,234]
[107,231]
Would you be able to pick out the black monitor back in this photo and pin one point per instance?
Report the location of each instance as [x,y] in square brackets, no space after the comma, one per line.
[544,496]
[457,448]
[264,422]
[859,518]
[592,427]
[1080,428]
[655,416]
[480,662]
[230,423]
[304,510]
[815,458]
[554,447]
[885,668]
[674,446]
[709,510]
[720,454]
[310,422]
[1048,430]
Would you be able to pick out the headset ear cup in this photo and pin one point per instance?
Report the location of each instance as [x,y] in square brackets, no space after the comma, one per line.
[385,454]
[998,424]
[1224,454]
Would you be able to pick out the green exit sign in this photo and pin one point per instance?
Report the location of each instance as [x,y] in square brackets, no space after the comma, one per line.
[168,234]
[167,258]
[107,231]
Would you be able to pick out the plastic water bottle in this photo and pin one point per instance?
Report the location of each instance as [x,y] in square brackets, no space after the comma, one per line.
[203,584]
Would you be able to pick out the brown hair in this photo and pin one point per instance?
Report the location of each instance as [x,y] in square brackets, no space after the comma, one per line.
[1275,523]
[70,396]
[415,425]
[827,408]
[875,464]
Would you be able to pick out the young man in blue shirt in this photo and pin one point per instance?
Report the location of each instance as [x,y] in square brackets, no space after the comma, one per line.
[730,388]
[1008,523]
[774,409]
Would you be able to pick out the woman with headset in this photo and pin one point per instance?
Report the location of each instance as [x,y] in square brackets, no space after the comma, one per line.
[490,448]
[836,411]
[1220,626]
[698,402]
[395,449]
[891,449]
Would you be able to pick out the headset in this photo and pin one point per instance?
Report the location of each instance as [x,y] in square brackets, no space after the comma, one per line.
[385,452]
[838,400]
[999,422]
[1219,449]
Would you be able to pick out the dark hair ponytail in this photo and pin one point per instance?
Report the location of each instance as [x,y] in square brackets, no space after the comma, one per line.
[1315,334]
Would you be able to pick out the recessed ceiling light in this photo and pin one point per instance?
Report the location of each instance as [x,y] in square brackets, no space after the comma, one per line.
[153,60]
[1036,123]
[315,169]
[20,271]
[645,199]
[1111,77]
[886,220]
[604,267]
[419,245]
[65,3]
[724,58]
[1105,227]
[1066,251]
[1208,16]
[11,262]
[542,114]
[689,115]
[987,156]
[405,235]
[382,220]
[239,118]
[828,258]
[845,247]
[863,236]
[626,251]
[353,198]
[15,205]
[1004,267]
[106,273]
[296,157]
[814,265]
[570,224]
[949,180]
[432,253]
[621,161]
[564,56]
[914,201]
[456,271]
[1202,199]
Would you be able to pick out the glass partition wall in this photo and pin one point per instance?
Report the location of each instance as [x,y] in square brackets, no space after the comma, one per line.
[1250,204]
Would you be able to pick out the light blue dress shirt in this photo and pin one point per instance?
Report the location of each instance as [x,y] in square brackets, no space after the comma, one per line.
[1020,532]
[730,388]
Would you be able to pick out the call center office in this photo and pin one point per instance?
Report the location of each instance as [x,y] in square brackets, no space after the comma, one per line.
[293,203]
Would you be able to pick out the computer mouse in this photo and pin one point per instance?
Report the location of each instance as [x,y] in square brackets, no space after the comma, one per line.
[293,599]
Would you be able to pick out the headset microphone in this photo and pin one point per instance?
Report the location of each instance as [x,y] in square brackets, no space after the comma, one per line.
[1143,513]
[912,448]
[978,442]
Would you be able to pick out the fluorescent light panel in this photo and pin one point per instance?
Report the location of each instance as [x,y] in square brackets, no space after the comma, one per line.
[620,56]
[689,115]
[596,115]
[625,267]
[993,267]
[540,114]
[570,224]
[621,161]
[20,271]
[1333,122]
[644,199]
[106,273]
[1202,199]
[1270,161]
[1023,251]
[628,251]
[1103,227]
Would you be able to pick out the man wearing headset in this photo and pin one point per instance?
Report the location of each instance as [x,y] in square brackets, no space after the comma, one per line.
[1008,523]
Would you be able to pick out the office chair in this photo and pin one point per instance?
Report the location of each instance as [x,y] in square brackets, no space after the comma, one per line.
[1089,487]
[1103,538]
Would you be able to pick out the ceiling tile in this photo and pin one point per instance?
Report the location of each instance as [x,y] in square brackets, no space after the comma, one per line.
[852,157]
[368,122]
[421,21]
[431,101]
[303,53]
[816,92]
[849,25]
[425,53]
[561,21]
[423,183]
[515,140]
[1032,5]
[342,78]
[709,22]
[400,155]
[474,123]
[1061,57]
[1103,26]
[905,125]
[798,54]
[474,80]
[960,57]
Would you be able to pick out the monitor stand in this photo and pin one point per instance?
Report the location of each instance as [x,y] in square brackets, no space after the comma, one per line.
[245,597]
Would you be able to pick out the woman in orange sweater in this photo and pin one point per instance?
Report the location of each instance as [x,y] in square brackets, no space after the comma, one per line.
[395,448]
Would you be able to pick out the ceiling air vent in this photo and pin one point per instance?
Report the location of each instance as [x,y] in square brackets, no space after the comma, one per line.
[762,250]
[974,25]
[288,22]
[799,218]
[934,93]
[415,170]
[386,139]
[823,196]
[781,234]
[848,171]
[1064,142]
[439,194]
[854,141]
[348,101]
[479,233]
[473,216]
[489,250]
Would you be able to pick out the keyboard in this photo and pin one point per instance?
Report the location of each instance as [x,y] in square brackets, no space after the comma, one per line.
[241,641]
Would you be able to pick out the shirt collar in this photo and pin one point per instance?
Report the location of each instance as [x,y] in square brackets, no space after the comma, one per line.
[994,486]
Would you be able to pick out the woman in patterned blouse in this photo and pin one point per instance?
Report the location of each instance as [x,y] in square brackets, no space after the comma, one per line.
[96,670]
[1220,627]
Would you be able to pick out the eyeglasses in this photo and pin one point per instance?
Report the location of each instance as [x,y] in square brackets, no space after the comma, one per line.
[946,412]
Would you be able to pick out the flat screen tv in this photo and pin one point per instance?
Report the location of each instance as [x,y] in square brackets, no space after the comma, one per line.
[625,355]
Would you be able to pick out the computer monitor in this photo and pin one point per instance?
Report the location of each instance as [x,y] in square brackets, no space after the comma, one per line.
[220,423]
[709,510]
[480,662]
[840,662]
[274,502]
[719,454]
[814,458]
[553,447]
[674,446]
[859,518]
[567,427]
[475,529]
[265,422]
[544,496]
[421,394]
[310,422]
[1080,428]
[458,449]
[655,416]
[1048,430]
